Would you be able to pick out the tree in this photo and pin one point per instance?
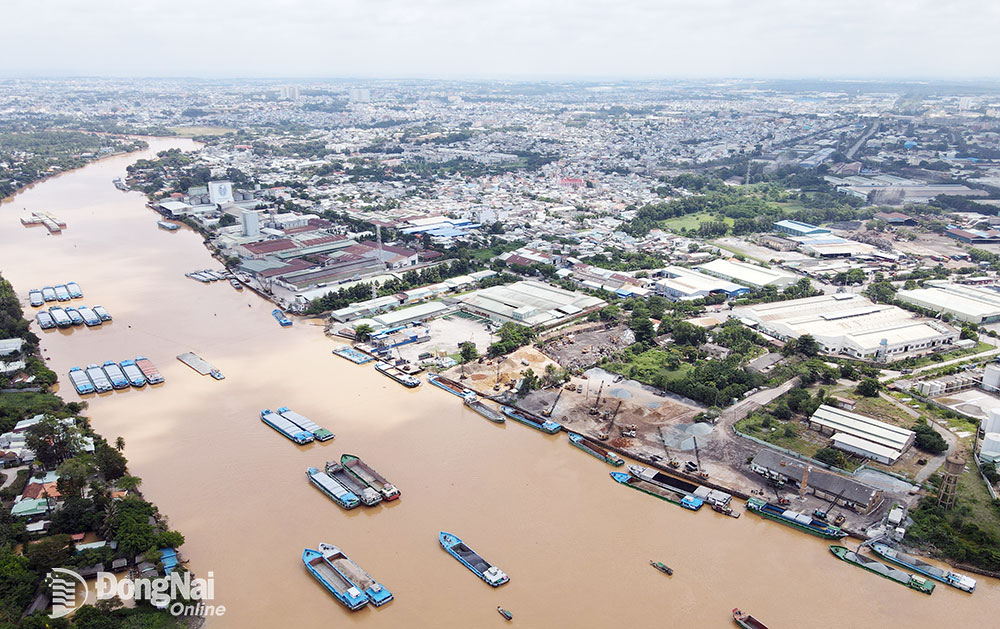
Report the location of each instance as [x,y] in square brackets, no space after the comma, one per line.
[529,382]
[807,345]
[610,312]
[110,461]
[120,444]
[969,332]
[928,439]
[53,440]
[831,456]
[869,387]
[17,585]
[643,327]
[73,476]
[169,539]
[49,552]
[469,351]
[689,334]
[129,483]
[363,332]
[511,336]
[781,411]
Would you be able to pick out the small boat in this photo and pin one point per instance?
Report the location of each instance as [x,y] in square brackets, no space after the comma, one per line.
[794,519]
[75,317]
[74,290]
[336,583]
[148,369]
[135,376]
[506,614]
[478,406]
[168,226]
[334,490]
[62,293]
[35,298]
[397,374]
[530,419]
[49,294]
[80,381]
[367,475]
[746,620]
[102,313]
[954,579]
[45,320]
[282,319]
[914,582]
[662,567]
[467,557]
[215,373]
[724,510]
[369,497]
[375,591]
[349,353]
[595,450]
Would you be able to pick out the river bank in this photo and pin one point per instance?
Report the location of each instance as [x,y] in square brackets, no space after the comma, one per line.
[569,537]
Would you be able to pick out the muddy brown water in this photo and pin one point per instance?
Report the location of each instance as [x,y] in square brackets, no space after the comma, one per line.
[575,544]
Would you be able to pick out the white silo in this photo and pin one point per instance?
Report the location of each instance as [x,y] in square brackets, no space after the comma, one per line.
[991,447]
[991,377]
[991,423]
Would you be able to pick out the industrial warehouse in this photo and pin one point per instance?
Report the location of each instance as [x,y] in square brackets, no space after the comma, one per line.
[680,283]
[530,303]
[974,304]
[862,435]
[845,323]
[748,274]
[825,485]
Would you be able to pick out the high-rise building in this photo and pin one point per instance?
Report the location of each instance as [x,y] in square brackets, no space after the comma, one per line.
[289,92]
[251,223]
[359,95]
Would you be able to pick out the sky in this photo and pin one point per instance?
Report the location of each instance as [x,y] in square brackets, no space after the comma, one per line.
[504,39]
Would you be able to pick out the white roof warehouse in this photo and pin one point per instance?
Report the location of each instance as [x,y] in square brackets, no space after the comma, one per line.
[862,435]
[975,304]
[530,303]
[849,324]
[748,274]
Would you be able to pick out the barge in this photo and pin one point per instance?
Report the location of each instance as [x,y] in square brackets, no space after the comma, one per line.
[135,376]
[595,450]
[368,476]
[89,316]
[102,313]
[467,557]
[45,320]
[80,381]
[794,519]
[285,427]
[375,591]
[337,584]
[49,293]
[688,502]
[170,227]
[281,318]
[60,317]
[321,434]
[148,369]
[746,620]
[98,378]
[893,574]
[196,362]
[62,293]
[530,419]
[681,486]
[397,374]
[35,298]
[476,405]
[333,490]
[353,355]
[369,497]
[75,317]
[116,375]
[74,290]
[955,580]
[449,385]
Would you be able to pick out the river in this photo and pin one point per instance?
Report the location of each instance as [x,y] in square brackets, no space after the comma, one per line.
[575,544]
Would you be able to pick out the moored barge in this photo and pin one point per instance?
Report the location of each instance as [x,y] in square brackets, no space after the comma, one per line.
[333,490]
[960,581]
[285,427]
[919,584]
[149,370]
[794,519]
[375,591]
[397,374]
[367,475]
[595,450]
[336,583]
[303,422]
[530,419]
[353,355]
[368,496]
[470,559]
[688,502]
[478,406]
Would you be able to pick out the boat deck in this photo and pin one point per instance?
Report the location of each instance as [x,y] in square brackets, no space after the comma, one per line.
[196,362]
[331,576]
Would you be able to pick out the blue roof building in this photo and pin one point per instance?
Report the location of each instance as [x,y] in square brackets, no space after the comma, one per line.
[797,228]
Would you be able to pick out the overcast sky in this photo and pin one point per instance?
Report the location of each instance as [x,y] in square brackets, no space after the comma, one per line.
[530,39]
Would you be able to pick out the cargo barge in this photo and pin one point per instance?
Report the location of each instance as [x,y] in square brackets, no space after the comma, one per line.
[333,490]
[353,355]
[688,502]
[377,594]
[955,580]
[48,293]
[530,419]
[397,374]
[449,385]
[746,620]
[476,405]
[89,316]
[337,584]
[133,373]
[62,293]
[467,557]
[60,317]
[102,313]
[368,476]
[45,320]
[80,381]
[74,290]
[285,427]
[893,574]
[196,362]
[281,318]
[115,375]
[35,298]
[369,497]
[148,369]
[719,500]
[170,227]
[595,450]
[794,519]
[99,378]
[75,317]
[303,422]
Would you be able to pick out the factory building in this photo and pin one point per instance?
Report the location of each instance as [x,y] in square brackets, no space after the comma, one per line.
[975,304]
[531,303]
[862,435]
[680,283]
[748,274]
[849,324]
[845,492]
[798,228]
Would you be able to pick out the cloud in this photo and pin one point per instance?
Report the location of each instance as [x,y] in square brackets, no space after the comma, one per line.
[504,38]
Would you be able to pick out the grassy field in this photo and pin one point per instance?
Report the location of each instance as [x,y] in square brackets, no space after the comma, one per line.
[693,221]
[190,132]
[930,359]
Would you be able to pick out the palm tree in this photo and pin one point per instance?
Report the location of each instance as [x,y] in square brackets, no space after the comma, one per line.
[119,444]
[129,483]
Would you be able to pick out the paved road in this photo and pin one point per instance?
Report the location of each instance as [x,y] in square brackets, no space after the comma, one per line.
[743,408]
